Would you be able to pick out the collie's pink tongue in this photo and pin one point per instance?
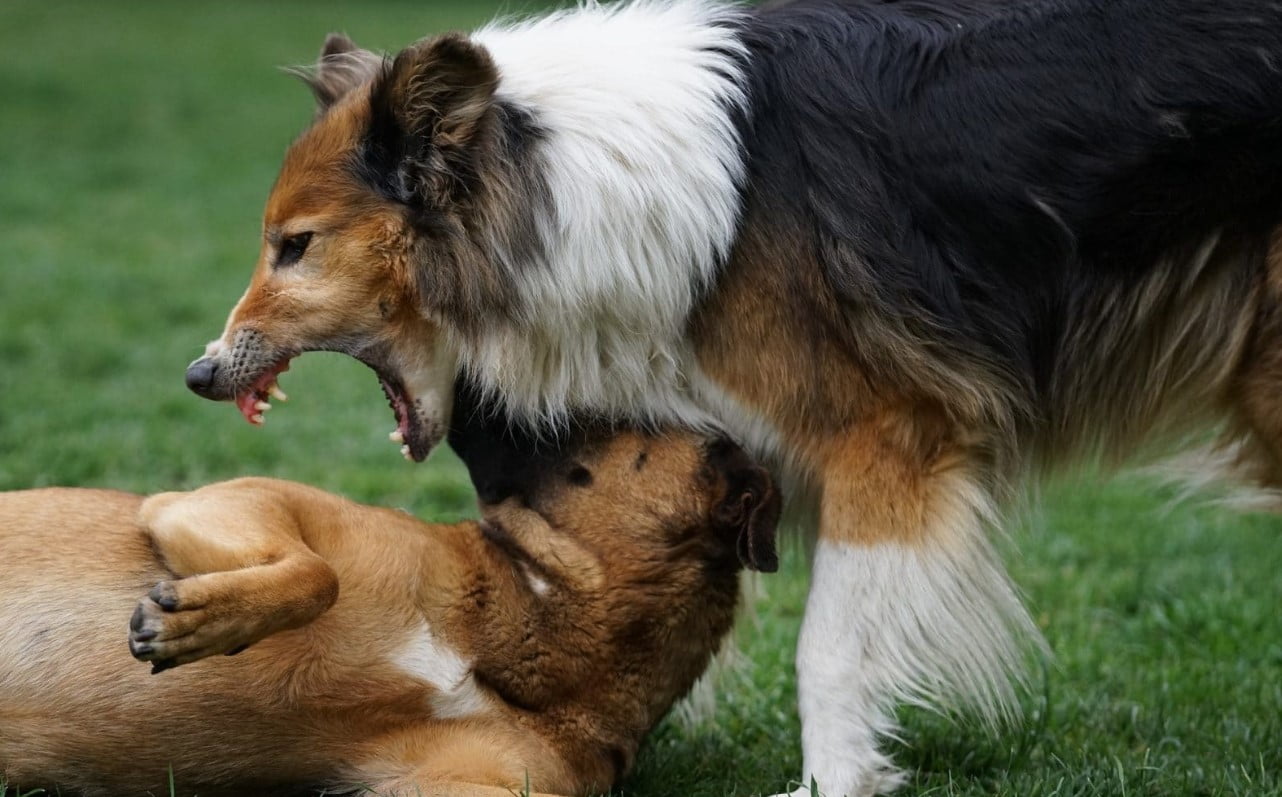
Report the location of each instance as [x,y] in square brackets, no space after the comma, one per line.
[248,404]
[257,400]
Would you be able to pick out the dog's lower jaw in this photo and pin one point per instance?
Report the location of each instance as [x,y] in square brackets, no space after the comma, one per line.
[428,384]
[421,445]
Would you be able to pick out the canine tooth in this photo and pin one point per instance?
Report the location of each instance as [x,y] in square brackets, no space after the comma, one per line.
[256,418]
[262,406]
[396,436]
[275,392]
[405,452]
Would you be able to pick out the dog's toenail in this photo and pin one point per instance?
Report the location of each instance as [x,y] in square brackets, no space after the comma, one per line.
[144,636]
[163,595]
[141,650]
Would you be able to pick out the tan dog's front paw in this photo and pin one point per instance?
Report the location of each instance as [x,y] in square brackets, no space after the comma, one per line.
[173,625]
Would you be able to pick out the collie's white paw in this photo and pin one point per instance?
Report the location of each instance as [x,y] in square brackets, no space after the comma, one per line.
[882,781]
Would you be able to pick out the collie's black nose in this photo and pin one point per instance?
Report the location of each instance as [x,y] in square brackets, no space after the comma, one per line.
[200,376]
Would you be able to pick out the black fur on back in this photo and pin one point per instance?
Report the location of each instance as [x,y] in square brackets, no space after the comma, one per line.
[996,166]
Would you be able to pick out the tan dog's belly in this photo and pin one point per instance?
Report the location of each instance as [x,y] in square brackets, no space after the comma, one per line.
[322,704]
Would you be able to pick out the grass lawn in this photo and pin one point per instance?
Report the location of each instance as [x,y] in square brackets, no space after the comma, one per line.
[137,144]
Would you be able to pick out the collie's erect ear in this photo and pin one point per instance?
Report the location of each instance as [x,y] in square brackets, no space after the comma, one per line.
[426,111]
[751,510]
[341,67]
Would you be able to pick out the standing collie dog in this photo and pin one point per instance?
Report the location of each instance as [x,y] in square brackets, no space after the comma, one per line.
[913,252]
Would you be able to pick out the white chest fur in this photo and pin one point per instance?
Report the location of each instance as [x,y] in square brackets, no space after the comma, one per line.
[426,658]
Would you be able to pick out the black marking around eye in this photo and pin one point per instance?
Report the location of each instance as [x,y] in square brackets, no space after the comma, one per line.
[580,476]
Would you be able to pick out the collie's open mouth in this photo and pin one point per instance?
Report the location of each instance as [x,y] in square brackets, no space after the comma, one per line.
[257,399]
[409,433]
[415,436]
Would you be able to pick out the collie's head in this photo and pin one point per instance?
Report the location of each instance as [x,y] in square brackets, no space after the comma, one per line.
[537,204]
[370,235]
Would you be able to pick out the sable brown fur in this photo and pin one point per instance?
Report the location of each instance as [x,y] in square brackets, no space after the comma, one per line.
[579,612]
[971,243]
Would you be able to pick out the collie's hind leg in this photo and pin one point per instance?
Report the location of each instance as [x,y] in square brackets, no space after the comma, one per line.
[1257,388]
[907,603]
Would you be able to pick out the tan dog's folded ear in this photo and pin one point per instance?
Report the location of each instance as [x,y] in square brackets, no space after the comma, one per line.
[751,510]
[425,113]
[341,67]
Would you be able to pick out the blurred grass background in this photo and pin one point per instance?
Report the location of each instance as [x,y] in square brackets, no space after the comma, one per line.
[137,145]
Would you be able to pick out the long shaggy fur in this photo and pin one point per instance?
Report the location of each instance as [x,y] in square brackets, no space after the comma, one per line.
[1053,242]
[1004,186]
[914,251]
[638,151]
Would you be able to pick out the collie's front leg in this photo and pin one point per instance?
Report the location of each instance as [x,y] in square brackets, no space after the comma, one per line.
[907,603]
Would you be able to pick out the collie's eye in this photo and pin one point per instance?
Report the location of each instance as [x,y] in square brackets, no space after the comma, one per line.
[292,248]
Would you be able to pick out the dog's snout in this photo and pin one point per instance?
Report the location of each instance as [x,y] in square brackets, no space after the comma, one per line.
[200,376]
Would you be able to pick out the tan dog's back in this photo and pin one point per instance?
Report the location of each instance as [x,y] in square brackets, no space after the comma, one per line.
[71,568]
[72,559]
[73,564]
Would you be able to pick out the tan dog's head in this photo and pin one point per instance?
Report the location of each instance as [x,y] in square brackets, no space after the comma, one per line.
[644,502]
[618,487]
[628,545]
[369,235]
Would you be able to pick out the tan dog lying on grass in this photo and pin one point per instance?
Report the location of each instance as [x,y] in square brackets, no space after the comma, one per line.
[530,651]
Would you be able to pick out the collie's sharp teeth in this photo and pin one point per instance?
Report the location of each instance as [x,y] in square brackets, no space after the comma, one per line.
[275,392]
[256,418]
[396,436]
[262,406]
[405,452]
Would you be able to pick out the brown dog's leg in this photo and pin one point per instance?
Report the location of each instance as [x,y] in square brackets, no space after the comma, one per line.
[244,572]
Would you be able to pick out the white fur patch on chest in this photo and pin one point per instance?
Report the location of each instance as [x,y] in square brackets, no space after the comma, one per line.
[425,658]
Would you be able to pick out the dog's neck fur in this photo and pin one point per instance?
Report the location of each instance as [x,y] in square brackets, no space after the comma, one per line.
[532,617]
[637,149]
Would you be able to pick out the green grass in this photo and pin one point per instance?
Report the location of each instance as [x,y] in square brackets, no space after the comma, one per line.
[137,143]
